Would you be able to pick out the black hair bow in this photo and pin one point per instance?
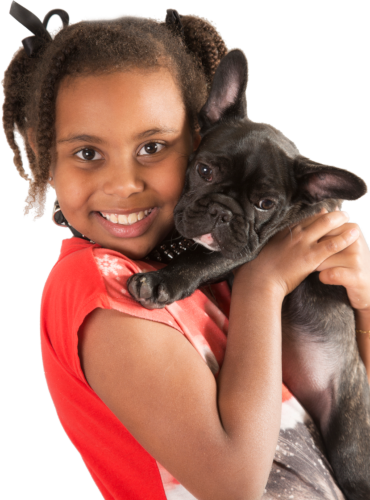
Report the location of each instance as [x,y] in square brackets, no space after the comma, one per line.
[33,43]
[173,18]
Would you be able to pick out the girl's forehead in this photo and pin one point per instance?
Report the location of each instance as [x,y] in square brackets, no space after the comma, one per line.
[136,98]
[135,82]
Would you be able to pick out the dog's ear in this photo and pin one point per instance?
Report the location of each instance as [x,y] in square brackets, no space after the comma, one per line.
[227,96]
[317,182]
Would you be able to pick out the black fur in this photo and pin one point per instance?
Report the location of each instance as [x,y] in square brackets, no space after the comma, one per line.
[246,182]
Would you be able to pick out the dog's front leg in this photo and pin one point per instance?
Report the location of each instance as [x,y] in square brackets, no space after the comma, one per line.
[193,268]
[323,369]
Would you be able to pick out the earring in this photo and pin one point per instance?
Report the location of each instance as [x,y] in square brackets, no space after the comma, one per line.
[60,220]
[50,178]
[58,217]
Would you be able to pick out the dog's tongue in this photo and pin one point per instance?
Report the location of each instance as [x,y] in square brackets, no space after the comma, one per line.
[206,239]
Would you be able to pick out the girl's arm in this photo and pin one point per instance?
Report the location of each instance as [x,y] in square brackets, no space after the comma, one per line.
[217,438]
[351,269]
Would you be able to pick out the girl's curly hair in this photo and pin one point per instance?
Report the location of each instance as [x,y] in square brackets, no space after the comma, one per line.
[31,83]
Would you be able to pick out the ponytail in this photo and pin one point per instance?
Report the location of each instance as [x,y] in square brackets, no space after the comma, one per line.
[203,40]
[16,88]
[200,38]
[17,83]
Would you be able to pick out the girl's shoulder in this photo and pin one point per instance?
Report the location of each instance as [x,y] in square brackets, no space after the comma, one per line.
[87,276]
[85,270]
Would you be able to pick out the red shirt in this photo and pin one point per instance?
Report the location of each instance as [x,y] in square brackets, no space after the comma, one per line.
[85,277]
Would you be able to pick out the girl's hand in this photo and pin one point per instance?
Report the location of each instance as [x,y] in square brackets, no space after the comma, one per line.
[349,268]
[292,254]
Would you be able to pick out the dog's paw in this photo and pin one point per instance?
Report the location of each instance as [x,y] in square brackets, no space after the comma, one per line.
[150,290]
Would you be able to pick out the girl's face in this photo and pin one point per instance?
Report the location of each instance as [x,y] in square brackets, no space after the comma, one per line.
[122,144]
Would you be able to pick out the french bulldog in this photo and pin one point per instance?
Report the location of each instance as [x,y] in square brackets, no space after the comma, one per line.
[244,183]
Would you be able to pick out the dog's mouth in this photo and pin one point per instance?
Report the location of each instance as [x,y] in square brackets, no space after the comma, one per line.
[228,249]
[208,241]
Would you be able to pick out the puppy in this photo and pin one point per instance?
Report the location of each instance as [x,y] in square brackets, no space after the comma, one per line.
[246,182]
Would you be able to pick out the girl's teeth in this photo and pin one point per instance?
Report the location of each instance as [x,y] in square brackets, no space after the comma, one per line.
[127,219]
[132,218]
[122,219]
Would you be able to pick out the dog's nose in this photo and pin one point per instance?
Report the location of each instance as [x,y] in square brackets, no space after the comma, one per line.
[221,213]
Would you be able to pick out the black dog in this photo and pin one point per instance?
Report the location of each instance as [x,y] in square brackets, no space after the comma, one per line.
[246,182]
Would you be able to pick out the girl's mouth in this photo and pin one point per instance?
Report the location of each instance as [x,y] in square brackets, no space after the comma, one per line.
[129,225]
[126,219]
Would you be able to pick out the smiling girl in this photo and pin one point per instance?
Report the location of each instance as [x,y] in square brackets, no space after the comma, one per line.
[107,111]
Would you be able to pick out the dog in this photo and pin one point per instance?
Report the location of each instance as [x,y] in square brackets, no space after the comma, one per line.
[244,183]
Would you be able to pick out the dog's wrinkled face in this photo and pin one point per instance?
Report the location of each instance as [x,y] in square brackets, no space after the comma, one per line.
[247,181]
[239,188]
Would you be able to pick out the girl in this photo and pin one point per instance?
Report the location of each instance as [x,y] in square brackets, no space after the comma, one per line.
[107,112]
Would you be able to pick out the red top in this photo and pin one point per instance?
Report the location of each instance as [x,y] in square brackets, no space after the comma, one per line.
[85,277]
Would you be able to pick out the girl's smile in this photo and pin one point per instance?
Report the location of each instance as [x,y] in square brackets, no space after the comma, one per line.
[127,225]
[122,144]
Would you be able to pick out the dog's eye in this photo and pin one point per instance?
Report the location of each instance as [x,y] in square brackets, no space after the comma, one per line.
[204,171]
[265,204]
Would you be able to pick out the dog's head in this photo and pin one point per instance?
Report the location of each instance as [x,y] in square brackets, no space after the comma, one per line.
[247,181]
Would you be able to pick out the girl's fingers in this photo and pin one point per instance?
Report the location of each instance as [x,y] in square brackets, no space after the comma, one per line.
[339,259]
[289,258]
[355,256]
[354,281]
[315,227]
[309,220]
[323,225]
[336,244]
[338,230]
[340,276]
[350,258]
[320,224]
[301,224]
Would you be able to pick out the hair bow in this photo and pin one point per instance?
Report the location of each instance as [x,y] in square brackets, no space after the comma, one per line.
[173,18]
[41,36]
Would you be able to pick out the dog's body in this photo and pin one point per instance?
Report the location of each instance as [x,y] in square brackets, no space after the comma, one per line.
[245,183]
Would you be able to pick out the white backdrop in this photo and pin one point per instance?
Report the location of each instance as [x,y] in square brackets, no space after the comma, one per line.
[309,77]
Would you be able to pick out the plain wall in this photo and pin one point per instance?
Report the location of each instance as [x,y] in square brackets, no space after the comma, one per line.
[308,76]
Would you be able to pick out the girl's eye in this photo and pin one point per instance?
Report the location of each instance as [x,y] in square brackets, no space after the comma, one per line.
[205,172]
[265,204]
[150,148]
[88,154]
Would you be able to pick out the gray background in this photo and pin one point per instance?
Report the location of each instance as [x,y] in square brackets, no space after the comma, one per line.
[309,77]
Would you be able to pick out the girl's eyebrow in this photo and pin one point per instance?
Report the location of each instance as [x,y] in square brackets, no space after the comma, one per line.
[153,131]
[82,138]
[98,140]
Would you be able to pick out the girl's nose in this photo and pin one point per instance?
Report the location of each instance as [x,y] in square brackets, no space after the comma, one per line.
[123,179]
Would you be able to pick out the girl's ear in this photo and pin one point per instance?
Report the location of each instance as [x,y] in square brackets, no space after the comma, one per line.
[226,99]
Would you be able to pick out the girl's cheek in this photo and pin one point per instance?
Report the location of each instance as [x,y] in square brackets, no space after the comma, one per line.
[72,186]
[176,187]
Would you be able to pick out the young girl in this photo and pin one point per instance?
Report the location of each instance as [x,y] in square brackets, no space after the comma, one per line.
[107,111]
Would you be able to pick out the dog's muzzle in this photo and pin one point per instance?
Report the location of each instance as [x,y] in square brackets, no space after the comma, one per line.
[220,214]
